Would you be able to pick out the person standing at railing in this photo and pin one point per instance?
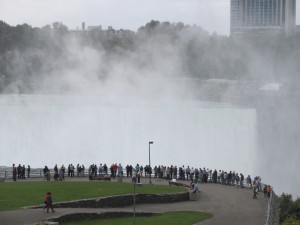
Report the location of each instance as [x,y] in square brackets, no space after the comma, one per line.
[28,171]
[105,169]
[265,190]
[115,169]
[215,176]
[269,190]
[69,170]
[187,172]
[249,182]
[219,177]
[61,174]
[134,175]
[100,168]
[82,170]
[174,172]
[237,180]
[242,180]
[55,169]
[254,192]
[77,170]
[72,170]
[19,170]
[120,170]
[112,172]
[23,172]
[138,175]
[14,172]
[127,170]
[63,168]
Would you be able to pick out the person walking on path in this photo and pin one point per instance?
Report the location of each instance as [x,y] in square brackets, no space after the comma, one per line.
[49,202]
[254,192]
[45,201]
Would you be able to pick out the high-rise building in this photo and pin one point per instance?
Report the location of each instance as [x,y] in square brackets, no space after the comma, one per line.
[262,16]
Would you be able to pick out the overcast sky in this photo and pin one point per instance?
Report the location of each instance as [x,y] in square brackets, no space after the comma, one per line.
[212,15]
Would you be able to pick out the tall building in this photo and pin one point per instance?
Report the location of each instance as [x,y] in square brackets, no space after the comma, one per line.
[262,16]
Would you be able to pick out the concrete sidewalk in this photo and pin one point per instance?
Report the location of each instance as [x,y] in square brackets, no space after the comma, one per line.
[228,205]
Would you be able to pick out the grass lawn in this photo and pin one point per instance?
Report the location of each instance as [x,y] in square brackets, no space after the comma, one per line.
[169,218]
[14,195]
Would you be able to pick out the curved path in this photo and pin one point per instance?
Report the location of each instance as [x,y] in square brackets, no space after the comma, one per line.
[228,205]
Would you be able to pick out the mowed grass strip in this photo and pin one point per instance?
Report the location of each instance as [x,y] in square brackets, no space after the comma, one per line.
[14,195]
[169,218]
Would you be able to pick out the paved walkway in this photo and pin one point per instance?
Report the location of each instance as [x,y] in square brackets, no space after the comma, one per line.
[228,204]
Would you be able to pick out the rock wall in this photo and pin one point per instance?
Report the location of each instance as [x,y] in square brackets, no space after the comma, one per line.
[103,215]
[124,200]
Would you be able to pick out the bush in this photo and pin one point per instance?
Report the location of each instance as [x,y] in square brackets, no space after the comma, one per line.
[289,210]
[291,221]
[285,205]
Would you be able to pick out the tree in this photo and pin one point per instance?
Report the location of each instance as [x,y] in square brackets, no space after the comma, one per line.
[285,205]
[59,27]
[291,221]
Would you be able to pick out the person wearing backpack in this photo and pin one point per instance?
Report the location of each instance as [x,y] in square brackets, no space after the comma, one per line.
[49,202]
[45,201]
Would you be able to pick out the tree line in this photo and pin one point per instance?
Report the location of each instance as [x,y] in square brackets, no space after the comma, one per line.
[30,55]
[289,210]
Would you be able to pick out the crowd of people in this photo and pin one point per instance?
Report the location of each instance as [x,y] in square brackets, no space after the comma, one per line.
[163,172]
[19,172]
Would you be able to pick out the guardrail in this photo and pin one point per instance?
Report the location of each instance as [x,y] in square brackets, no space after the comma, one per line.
[271,209]
[38,173]
[34,173]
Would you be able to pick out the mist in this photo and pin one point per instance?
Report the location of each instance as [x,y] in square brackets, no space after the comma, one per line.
[86,97]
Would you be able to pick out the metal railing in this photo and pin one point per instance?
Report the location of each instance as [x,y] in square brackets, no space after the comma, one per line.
[34,173]
[6,174]
[271,209]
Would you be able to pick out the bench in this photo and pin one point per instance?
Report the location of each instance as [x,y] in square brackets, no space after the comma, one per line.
[178,184]
[193,196]
[105,178]
[51,223]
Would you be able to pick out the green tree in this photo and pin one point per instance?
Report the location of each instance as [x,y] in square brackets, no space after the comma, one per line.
[291,221]
[285,205]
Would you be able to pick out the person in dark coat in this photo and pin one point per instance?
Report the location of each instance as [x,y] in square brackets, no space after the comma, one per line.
[49,202]
[14,172]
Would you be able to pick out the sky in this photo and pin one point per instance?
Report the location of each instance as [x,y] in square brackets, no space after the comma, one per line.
[212,15]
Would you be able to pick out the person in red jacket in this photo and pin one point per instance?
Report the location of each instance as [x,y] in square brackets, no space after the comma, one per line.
[49,202]
[269,190]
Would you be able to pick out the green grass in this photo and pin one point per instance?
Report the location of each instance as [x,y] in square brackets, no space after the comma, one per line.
[169,218]
[14,195]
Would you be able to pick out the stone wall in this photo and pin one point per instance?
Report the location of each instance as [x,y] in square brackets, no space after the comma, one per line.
[124,200]
[102,215]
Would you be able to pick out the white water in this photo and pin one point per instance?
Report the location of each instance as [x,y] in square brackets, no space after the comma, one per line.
[47,130]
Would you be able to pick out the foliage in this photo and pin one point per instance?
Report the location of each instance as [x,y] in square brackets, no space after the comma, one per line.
[14,195]
[285,205]
[291,221]
[169,218]
[289,209]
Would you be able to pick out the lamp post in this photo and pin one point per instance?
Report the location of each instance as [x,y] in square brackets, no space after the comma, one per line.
[134,183]
[150,143]
[134,193]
